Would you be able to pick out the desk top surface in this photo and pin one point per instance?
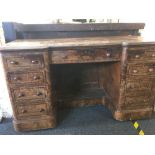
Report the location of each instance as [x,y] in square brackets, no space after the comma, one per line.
[76,42]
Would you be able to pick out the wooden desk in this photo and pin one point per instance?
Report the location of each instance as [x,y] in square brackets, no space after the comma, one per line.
[47,74]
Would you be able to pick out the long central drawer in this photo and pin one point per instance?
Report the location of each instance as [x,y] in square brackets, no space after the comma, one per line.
[84,55]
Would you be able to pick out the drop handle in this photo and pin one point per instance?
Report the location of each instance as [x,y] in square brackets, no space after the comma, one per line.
[42,110]
[108,54]
[34,62]
[24,111]
[137,56]
[153,55]
[151,69]
[16,78]
[135,71]
[39,94]
[36,77]
[13,62]
[21,95]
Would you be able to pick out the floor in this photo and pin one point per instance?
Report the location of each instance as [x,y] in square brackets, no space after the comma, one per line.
[94,120]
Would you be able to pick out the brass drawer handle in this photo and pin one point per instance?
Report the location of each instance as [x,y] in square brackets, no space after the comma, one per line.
[13,62]
[137,56]
[24,111]
[39,94]
[16,78]
[153,55]
[151,69]
[42,110]
[21,95]
[108,54]
[34,62]
[36,77]
[135,71]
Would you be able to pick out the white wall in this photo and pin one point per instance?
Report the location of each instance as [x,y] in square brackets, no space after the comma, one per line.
[39,11]
[5,106]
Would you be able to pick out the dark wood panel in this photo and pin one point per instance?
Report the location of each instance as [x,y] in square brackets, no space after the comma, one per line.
[15,31]
[78,27]
[109,78]
[48,31]
[70,80]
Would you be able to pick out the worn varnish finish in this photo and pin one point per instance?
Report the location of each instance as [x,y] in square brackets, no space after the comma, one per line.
[72,43]
[29,87]
[46,75]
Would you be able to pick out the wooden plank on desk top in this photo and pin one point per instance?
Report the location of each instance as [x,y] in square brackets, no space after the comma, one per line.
[77,27]
[75,42]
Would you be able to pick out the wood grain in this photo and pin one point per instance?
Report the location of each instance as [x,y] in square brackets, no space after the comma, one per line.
[118,72]
[35,44]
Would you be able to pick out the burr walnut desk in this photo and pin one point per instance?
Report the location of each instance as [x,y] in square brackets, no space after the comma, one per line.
[44,75]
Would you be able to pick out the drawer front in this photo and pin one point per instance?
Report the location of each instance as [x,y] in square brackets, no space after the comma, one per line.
[25,78]
[145,93]
[24,61]
[139,78]
[138,85]
[29,110]
[84,55]
[141,69]
[141,54]
[37,93]
[135,101]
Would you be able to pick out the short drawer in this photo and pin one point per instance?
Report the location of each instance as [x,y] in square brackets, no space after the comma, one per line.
[32,93]
[15,61]
[135,93]
[85,55]
[25,78]
[135,101]
[146,54]
[143,78]
[29,110]
[141,69]
[138,85]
